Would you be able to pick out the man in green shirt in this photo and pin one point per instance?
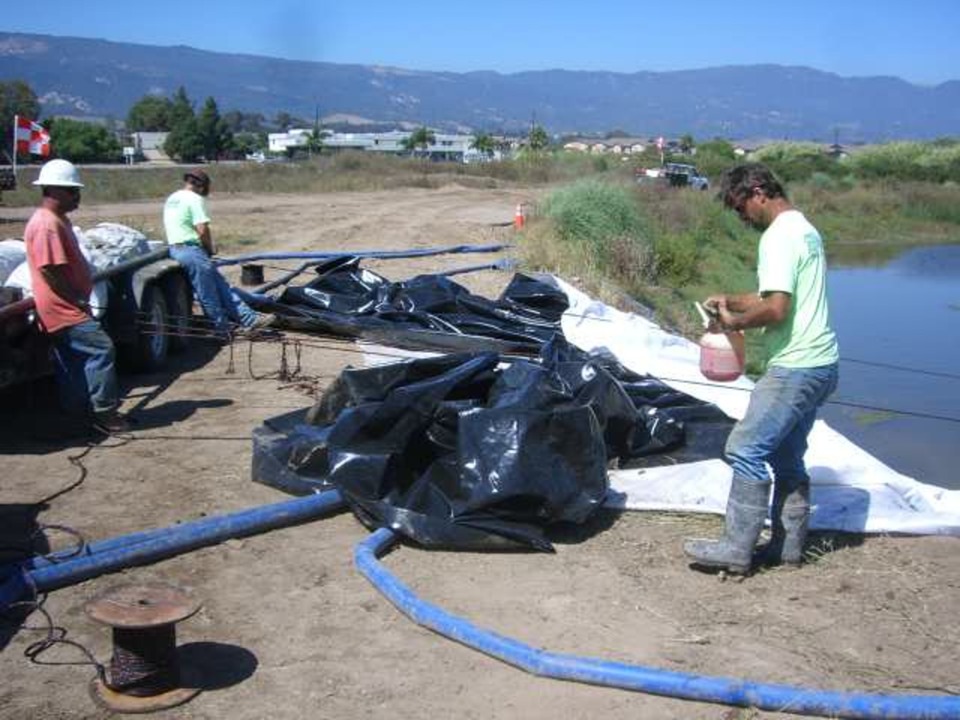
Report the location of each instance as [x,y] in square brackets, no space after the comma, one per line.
[802,371]
[187,226]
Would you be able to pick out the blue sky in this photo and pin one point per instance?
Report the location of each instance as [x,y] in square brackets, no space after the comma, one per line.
[918,41]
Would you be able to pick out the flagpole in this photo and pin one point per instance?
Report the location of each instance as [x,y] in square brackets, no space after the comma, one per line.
[16,124]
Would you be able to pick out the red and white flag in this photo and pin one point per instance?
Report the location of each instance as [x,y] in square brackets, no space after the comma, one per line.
[31,137]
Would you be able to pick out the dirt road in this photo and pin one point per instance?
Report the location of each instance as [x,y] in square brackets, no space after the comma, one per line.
[289,629]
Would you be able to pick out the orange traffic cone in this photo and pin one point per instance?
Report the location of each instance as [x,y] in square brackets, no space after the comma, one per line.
[518,218]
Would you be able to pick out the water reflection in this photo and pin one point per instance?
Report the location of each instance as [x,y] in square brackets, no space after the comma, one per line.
[906,313]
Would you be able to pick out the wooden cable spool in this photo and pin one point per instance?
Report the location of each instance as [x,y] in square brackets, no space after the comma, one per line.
[146,671]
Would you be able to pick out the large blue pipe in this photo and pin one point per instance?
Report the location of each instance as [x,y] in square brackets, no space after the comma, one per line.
[381,254]
[152,545]
[729,691]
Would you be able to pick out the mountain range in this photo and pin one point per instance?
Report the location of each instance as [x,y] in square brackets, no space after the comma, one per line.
[81,77]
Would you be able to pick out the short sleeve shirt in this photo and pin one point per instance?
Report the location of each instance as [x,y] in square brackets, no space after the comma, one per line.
[49,240]
[182,212]
[791,260]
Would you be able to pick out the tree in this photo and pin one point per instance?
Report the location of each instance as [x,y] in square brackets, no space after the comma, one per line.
[421,138]
[538,139]
[315,141]
[241,122]
[83,142]
[185,141]
[484,144]
[214,133]
[245,143]
[150,114]
[687,143]
[181,108]
[16,98]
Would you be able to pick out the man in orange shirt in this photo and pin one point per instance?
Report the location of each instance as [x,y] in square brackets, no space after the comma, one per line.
[83,352]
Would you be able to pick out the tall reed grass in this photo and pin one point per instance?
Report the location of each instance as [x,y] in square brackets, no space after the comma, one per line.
[666,247]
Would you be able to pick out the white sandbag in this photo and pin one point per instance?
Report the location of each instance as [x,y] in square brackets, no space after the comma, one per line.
[20,278]
[12,253]
[109,244]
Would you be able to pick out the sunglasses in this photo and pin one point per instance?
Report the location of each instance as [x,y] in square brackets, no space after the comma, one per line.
[740,206]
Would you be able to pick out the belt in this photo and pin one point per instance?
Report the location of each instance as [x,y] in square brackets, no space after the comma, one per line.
[185,244]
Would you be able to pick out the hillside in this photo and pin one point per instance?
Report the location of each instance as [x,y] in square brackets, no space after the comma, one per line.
[88,77]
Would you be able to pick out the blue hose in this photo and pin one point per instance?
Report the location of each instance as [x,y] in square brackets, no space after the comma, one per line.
[729,691]
[152,545]
[381,254]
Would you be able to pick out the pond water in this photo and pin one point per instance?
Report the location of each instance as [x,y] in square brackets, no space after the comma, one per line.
[905,314]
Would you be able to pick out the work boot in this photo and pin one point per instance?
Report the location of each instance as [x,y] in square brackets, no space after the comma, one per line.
[789,519]
[260,327]
[263,321]
[746,511]
[111,422]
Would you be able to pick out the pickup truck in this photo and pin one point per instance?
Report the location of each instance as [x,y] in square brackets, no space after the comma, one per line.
[683,175]
[148,314]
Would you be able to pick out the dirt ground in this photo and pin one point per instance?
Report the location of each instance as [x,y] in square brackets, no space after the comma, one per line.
[290,629]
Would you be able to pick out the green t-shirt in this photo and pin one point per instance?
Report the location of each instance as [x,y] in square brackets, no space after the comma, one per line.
[184,210]
[792,261]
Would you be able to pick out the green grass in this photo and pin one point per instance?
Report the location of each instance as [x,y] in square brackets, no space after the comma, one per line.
[347,171]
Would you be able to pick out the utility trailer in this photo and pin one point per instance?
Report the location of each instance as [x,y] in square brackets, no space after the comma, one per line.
[148,315]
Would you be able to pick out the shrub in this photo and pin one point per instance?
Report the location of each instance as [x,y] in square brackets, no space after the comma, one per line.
[593,213]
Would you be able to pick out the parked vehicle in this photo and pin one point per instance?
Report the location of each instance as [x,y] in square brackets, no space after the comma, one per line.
[683,175]
[148,314]
[8,181]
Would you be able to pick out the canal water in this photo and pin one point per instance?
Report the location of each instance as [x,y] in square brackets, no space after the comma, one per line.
[899,332]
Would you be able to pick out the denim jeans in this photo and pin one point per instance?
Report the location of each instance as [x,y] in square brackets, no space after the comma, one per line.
[83,358]
[220,304]
[774,429]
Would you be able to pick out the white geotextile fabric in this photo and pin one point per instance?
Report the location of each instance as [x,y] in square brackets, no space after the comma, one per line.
[850,489]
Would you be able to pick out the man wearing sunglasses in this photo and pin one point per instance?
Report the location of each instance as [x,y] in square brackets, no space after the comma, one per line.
[61,281]
[802,357]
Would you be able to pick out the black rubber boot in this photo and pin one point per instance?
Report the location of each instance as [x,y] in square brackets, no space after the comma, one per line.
[746,511]
[789,519]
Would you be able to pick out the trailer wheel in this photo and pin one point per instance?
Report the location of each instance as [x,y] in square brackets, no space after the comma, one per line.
[179,299]
[153,340]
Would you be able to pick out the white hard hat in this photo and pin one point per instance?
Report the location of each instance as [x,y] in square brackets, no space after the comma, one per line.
[59,173]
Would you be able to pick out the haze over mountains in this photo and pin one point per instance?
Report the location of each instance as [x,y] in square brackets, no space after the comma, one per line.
[99,78]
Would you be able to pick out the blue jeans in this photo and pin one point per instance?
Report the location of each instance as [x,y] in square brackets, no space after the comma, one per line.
[83,357]
[220,304]
[783,406]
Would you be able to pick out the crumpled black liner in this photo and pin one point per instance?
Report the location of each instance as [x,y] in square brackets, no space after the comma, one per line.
[458,451]
[427,311]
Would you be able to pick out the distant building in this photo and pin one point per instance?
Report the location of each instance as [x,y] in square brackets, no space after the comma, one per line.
[292,138]
[444,146]
[149,146]
[615,146]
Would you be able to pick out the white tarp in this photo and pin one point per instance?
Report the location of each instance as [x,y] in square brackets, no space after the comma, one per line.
[850,489]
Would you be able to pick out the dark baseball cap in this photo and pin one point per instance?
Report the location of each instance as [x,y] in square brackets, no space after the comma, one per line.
[198,175]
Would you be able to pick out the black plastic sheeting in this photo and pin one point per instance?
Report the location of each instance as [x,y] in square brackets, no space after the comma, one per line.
[461,451]
[428,311]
